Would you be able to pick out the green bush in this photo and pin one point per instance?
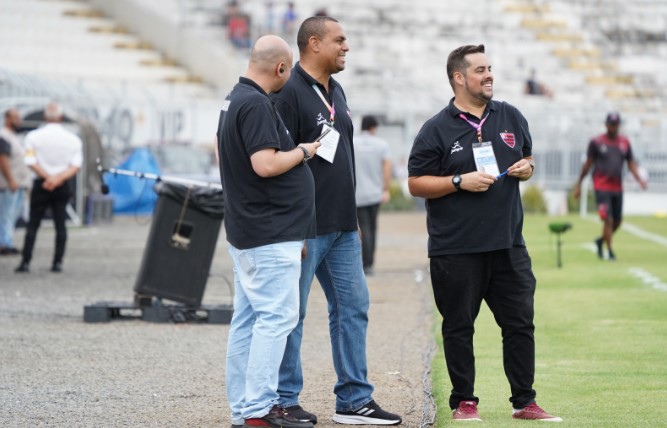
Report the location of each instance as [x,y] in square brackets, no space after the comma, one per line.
[533,201]
[398,201]
[574,204]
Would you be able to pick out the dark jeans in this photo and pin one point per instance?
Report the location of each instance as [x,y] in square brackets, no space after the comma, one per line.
[367,217]
[40,201]
[504,279]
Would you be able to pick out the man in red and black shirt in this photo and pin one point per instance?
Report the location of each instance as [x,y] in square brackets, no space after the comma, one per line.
[606,153]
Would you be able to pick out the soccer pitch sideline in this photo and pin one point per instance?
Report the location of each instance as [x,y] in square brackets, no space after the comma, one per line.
[601,330]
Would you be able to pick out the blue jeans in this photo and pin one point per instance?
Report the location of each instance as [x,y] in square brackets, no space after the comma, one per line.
[11,204]
[336,260]
[266,299]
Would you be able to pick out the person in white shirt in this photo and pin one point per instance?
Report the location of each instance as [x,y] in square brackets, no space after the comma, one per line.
[55,155]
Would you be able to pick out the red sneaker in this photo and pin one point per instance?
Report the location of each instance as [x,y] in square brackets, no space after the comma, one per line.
[533,412]
[467,411]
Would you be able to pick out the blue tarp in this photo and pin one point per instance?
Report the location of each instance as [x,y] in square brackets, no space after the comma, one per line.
[134,195]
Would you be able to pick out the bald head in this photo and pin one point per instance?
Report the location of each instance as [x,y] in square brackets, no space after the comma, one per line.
[270,63]
[53,112]
[268,52]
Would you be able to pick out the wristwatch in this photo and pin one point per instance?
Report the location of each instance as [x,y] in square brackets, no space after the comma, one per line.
[306,155]
[456,181]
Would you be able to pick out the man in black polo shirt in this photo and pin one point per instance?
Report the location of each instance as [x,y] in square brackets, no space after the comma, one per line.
[313,104]
[467,162]
[269,211]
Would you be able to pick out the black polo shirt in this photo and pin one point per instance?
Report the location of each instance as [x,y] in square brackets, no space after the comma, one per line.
[468,222]
[260,211]
[305,114]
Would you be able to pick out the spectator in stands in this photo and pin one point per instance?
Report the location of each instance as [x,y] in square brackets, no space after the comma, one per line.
[467,162]
[535,87]
[238,26]
[14,180]
[310,104]
[373,173]
[270,210]
[606,154]
[289,21]
[55,155]
[270,17]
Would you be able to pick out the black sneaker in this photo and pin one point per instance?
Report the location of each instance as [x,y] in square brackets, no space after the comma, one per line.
[57,267]
[598,244]
[612,256]
[370,414]
[22,268]
[300,414]
[277,418]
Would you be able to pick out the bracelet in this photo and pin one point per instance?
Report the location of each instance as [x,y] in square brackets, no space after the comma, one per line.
[306,155]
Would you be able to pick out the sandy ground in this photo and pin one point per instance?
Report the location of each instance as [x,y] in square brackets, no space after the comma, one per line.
[57,370]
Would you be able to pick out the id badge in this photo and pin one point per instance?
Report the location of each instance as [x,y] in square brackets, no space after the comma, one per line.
[329,139]
[485,159]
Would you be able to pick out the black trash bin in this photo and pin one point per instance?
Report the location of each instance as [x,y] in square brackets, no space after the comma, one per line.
[181,243]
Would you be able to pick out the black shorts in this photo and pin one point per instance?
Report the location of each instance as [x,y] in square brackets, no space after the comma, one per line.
[610,205]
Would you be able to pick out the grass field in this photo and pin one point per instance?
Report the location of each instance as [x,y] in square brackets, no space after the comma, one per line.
[601,332]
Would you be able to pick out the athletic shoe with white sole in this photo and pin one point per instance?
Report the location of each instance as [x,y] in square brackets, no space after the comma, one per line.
[369,414]
[533,412]
[466,411]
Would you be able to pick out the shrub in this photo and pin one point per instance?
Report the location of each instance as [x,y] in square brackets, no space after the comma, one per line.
[533,201]
[398,201]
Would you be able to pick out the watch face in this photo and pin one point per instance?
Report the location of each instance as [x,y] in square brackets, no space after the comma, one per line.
[456,179]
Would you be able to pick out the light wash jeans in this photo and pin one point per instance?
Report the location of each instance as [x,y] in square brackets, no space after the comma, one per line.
[266,309]
[11,205]
[336,260]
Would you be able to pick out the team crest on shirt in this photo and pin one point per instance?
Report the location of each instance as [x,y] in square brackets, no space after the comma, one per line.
[456,147]
[508,138]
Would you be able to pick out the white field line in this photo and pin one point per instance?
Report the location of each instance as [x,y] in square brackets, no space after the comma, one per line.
[646,277]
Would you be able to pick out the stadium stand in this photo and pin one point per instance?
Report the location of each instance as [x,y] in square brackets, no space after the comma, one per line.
[595,56]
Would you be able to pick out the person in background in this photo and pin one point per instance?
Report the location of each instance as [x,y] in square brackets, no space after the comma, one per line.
[289,21]
[55,155]
[606,154]
[373,168]
[314,106]
[467,162]
[269,197]
[15,180]
[535,87]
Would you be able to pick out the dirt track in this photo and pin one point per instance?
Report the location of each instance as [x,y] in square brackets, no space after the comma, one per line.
[56,370]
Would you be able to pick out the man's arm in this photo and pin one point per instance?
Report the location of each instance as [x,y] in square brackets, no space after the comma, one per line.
[7,172]
[432,187]
[634,169]
[271,162]
[386,170]
[584,172]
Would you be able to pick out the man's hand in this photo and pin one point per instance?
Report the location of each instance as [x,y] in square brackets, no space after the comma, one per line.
[522,170]
[52,182]
[477,181]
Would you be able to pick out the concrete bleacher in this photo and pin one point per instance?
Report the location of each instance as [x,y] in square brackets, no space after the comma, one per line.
[71,40]
[593,61]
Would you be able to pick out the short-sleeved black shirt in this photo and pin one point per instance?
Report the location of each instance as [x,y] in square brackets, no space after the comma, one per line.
[608,156]
[467,222]
[260,211]
[305,114]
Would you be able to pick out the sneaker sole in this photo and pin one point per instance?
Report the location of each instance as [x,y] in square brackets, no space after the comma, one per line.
[363,420]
